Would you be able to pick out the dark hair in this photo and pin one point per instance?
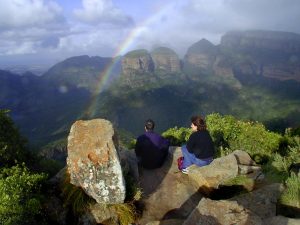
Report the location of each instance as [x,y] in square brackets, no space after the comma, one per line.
[149,124]
[199,122]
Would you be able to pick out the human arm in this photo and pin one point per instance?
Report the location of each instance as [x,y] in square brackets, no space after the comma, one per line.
[137,147]
[190,145]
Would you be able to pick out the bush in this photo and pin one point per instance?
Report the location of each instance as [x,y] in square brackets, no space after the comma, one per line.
[13,148]
[125,212]
[291,195]
[177,136]
[75,196]
[252,137]
[20,199]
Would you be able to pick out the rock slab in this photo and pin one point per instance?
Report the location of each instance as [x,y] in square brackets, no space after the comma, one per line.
[93,161]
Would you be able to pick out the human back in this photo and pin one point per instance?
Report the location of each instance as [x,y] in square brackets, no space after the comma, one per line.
[151,148]
[200,143]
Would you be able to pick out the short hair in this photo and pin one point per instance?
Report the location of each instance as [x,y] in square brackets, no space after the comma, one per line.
[199,122]
[149,124]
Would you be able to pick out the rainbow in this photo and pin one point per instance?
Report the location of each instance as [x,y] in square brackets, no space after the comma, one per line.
[123,47]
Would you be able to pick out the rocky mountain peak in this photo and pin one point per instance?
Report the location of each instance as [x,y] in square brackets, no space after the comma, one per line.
[165,60]
[201,55]
[137,61]
[202,47]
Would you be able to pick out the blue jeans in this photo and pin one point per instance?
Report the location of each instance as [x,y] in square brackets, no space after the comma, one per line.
[190,159]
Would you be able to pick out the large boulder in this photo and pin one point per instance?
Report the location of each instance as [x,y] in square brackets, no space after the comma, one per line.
[170,194]
[211,212]
[222,169]
[251,208]
[281,220]
[263,201]
[93,161]
[167,193]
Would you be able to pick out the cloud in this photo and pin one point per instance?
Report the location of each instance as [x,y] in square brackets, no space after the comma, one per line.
[22,48]
[29,26]
[28,13]
[224,15]
[99,12]
[186,22]
[99,27]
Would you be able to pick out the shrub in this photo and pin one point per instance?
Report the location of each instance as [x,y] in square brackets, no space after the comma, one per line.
[50,166]
[20,199]
[252,137]
[75,196]
[276,169]
[291,195]
[177,136]
[125,212]
[12,145]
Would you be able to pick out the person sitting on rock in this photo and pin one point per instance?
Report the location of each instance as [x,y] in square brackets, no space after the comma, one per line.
[199,149]
[151,149]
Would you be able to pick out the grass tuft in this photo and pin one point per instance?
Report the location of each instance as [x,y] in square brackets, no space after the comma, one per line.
[75,196]
[126,213]
[291,195]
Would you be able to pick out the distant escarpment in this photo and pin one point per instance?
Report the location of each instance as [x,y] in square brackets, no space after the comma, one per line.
[262,40]
[269,54]
[82,71]
[264,54]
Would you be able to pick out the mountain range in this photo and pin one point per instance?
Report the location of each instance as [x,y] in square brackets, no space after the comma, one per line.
[250,74]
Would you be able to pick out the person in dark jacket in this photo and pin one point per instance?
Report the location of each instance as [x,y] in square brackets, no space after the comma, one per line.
[199,149]
[151,149]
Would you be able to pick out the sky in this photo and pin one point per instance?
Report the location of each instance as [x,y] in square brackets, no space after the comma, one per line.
[49,31]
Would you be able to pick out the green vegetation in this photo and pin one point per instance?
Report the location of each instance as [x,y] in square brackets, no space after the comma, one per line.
[13,147]
[163,51]
[126,213]
[273,151]
[20,188]
[20,197]
[251,137]
[291,195]
[79,201]
[230,134]
[137,53]
[75,197]
[177,136]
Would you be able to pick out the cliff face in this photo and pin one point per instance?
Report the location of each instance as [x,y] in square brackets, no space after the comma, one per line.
[165,60]
[200,55]
[162,60]
[266,53]
[269,40]
[137,61]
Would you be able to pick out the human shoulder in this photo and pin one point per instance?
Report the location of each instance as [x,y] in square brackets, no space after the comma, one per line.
[142,136]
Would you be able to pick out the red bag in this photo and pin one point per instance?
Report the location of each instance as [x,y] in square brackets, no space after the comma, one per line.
[180,163]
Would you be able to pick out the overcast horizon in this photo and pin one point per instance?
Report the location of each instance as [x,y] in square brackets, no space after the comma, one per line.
[42,31]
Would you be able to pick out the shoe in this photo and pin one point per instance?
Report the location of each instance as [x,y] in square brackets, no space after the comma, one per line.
[185,171]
